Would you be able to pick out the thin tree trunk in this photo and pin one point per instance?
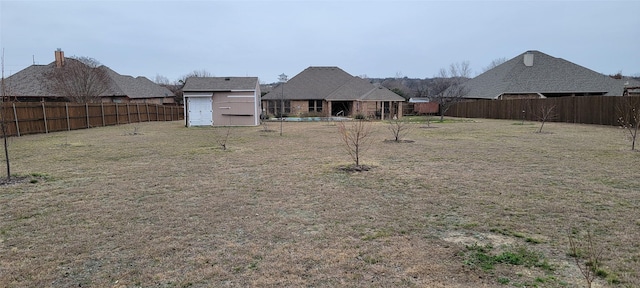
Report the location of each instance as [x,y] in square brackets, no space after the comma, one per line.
[6,149]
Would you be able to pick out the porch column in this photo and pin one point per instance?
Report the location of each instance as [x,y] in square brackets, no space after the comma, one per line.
[329,108]
[400,110]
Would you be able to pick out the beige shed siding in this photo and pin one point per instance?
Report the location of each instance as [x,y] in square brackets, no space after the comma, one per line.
[234,108]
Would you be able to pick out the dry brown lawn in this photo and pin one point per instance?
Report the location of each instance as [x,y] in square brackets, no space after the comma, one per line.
[170,208]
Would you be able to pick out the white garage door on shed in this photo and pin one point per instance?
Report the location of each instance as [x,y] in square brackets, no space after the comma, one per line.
[200,112]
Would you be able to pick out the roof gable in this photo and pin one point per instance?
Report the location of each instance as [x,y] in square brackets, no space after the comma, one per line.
[546,74]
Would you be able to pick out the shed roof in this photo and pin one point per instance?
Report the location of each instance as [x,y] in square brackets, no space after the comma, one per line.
[546,74]
[220,84]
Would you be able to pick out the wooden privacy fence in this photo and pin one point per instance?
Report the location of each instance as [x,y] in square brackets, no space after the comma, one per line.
[24,118]
[602,110]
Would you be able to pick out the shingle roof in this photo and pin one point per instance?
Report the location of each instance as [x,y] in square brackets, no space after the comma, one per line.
[330,83]
[31,81]
[547,75]
[220,83]
[360,89]
[134,88]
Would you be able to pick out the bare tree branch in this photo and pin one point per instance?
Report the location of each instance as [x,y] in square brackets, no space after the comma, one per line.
[81,80]
[356,138]
[447,88]
[629,111]
[546,113]
[399,128]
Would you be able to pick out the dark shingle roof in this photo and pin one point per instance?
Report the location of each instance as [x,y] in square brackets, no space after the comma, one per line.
[195,84]
[134,88]
[330,83]
[360,89]
[31,81]
[547,75]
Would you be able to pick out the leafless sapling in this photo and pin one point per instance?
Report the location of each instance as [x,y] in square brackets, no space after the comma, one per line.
[586,253]
[223,138]
[79,79]
[399,128]
[629,119]
[447,87]
[546,113]
[356,137]
[3,117]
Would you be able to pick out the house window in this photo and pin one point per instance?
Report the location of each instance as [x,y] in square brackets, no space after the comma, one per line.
[275,107]
[315,105]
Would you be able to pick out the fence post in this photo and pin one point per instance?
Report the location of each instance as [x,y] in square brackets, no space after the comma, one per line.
[15,116]
[44,115]
[86,111]
[117,115]
[157,113]
[66,109]
[138,110]
[102,110]
[128,114]
[164,113]
[147,107]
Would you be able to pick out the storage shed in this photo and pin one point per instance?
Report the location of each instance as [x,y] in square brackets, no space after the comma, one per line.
[222,101]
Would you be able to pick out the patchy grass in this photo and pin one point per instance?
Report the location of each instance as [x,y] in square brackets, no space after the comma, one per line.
[169,208]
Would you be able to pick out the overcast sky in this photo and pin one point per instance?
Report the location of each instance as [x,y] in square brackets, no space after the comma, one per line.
[377,38]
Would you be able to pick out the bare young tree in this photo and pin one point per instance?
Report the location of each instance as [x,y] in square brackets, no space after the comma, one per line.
[447,88]
[79,79]
[546,113]
[222,139]
[399,128]
[587,255]
[4,98]
[356,138]
[629,111]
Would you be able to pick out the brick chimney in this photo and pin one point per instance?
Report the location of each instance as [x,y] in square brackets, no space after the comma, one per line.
[59,58]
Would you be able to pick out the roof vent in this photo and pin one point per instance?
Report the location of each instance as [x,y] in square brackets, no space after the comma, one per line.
[227,79]
[528,59]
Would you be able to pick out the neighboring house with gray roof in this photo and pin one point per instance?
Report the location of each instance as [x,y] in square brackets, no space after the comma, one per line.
[534,74]
[30,85]
[222,101]
[330,91]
